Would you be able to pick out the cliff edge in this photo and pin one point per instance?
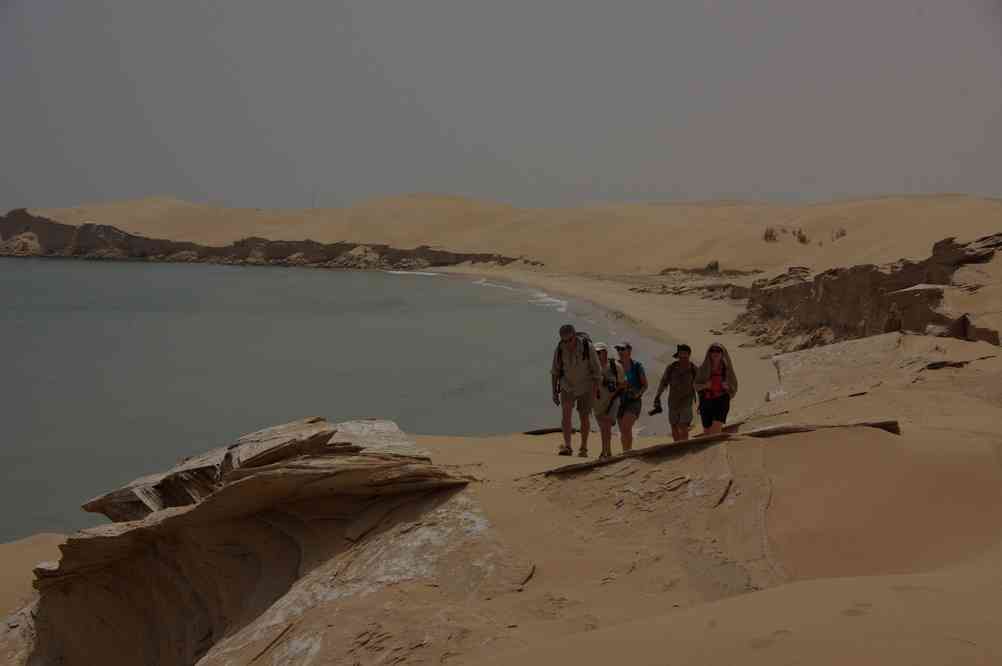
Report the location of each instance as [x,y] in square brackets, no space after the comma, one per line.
[214,559]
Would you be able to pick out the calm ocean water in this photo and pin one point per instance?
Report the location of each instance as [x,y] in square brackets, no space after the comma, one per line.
[114,370]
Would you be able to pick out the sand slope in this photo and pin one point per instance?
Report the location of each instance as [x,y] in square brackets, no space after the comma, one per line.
[606,239]
[946,617]
[17,559]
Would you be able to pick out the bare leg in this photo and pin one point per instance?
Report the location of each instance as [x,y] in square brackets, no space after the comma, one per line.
[585,430]
[566,424]
[715,428]
[683,433]
[626,430]
[674,433]
[605,427]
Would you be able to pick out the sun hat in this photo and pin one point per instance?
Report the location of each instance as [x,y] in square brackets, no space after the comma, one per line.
[601,346]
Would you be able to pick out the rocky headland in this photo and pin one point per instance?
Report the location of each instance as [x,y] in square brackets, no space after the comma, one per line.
[25,235]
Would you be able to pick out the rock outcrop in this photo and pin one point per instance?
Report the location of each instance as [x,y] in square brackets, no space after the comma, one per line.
[24,234]
[217,559]
[797,310]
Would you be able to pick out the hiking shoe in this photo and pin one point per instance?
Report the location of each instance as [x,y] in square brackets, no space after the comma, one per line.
[564,451]
[583,453]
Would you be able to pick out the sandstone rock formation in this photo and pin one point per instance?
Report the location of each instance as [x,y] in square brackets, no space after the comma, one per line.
[797,310]
[30,235]
[218,558]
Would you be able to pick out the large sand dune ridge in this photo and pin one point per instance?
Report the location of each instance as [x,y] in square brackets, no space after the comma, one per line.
[601,238]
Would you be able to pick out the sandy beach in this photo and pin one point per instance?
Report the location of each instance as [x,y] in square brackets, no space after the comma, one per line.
[845,544]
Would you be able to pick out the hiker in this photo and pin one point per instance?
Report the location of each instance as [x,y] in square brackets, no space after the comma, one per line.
[607,402]
[717,383]
[678,379]
[632,400]
[575,378]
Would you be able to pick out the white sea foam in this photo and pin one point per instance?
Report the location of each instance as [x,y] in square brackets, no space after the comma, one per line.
[412,273]
[543,299]
[483,282]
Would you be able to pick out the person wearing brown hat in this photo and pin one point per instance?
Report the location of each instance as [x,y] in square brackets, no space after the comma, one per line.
[575,377]
[678,379]
[717,383]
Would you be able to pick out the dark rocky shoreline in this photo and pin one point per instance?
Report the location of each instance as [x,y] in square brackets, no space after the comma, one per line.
[25,235]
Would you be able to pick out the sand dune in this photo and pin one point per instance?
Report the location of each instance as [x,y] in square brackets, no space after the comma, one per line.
[604,239]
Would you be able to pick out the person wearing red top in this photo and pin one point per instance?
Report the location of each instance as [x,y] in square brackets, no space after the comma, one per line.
[716,382]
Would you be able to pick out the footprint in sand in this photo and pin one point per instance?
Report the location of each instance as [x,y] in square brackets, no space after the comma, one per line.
[858,608]
[770,640]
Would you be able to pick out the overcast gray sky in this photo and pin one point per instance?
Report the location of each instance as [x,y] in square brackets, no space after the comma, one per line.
[542,102]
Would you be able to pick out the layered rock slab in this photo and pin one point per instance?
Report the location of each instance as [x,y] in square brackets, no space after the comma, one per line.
[245,537]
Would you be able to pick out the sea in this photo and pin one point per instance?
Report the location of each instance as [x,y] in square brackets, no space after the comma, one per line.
[114,370]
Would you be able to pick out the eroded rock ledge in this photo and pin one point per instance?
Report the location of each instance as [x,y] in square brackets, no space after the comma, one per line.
[25,235]
[212,559]
[797,310]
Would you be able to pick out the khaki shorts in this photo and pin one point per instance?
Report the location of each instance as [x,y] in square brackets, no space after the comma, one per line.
[582,402]
[681,415]
[607,409]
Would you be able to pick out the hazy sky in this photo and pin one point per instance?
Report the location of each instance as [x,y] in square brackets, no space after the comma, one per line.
[542,102]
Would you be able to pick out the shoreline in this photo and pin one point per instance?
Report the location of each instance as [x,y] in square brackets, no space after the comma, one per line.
[665,318]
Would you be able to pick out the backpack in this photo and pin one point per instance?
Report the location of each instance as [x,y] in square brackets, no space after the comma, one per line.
[584,342]
[614,371]
[632,390]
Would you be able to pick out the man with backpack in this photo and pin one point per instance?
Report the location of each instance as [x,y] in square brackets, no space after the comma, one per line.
[575,378]
[678,379]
